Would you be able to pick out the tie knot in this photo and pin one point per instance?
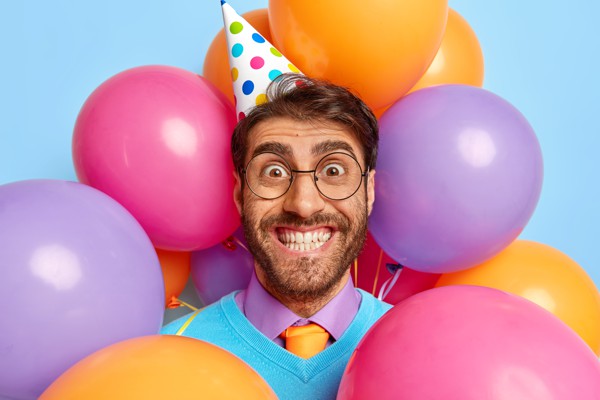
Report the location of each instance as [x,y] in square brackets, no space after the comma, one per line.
[305,341]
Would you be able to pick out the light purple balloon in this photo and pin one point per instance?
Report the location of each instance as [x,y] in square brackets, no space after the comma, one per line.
[78,273]
[222,269]
[459,175]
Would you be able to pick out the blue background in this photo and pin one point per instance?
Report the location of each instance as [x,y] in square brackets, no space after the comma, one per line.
[542,58]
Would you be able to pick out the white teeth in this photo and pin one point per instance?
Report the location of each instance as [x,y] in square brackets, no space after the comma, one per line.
[303,241]
[307,237]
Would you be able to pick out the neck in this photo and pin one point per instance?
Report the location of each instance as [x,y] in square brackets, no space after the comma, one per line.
[303,306]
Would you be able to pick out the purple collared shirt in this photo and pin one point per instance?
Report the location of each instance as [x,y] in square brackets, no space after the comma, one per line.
[271,317]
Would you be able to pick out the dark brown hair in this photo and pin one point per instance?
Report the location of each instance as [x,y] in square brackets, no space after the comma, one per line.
[301,98]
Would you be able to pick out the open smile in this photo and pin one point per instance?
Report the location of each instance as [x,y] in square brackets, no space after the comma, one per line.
[305,240]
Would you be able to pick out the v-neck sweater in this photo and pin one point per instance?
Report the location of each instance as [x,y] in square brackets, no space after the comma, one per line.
[290,376]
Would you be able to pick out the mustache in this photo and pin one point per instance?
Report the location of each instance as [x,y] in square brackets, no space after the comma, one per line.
[338,221]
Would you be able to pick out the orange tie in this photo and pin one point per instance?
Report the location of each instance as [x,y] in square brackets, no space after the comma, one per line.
[305,341]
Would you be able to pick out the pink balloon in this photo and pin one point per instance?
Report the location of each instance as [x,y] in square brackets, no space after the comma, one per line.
[470,342]
[222,269]
[157,139]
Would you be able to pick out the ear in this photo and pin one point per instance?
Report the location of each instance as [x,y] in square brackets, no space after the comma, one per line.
[370,191]
[237,191]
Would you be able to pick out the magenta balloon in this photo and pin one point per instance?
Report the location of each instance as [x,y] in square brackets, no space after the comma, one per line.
[157,140]
[78,273]
[221,269]
[470,343]
[459,175]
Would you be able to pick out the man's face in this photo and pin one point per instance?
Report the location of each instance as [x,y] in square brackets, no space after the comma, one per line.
[336,229]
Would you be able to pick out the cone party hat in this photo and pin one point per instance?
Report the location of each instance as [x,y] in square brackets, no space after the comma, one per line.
[254,62]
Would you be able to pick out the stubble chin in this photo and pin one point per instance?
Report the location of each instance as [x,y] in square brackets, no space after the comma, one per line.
[310,277]
[304,278]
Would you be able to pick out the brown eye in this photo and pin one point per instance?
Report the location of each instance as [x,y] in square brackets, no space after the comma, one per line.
[275,171]
[333,170]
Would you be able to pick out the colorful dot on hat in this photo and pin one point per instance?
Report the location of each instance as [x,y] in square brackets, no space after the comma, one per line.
[241,116]
[257,38]
[248,87]
[275,52]
[260,99]
[274,73]
[293,68]
[257,62]
[237,50]
[234,74]
[236,27]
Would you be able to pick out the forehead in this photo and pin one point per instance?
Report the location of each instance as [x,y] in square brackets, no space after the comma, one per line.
[301,139]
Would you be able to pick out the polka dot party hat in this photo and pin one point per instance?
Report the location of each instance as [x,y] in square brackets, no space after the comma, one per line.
[254,62]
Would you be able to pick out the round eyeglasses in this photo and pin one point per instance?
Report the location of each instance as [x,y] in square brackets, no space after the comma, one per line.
[337,175]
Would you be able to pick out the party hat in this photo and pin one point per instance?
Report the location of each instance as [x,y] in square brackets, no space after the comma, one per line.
[254,62]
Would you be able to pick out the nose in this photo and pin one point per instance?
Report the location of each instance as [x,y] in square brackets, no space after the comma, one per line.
[303,198]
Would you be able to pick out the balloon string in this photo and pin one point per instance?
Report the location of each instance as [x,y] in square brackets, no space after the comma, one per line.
[239,243]
[356,272]
[380,296]
[377,273]
[188,322]
[184,304]
[385,289]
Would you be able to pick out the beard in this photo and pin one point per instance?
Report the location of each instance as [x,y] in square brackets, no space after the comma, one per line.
[308,277]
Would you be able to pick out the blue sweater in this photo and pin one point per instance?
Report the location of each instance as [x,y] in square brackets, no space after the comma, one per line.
[290,376]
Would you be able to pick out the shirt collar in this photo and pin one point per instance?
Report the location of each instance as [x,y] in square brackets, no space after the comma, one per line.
[271,317]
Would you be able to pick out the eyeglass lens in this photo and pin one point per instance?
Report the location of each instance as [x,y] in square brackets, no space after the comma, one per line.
[337,175]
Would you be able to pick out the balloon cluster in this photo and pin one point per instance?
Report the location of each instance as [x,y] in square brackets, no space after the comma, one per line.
[82,261]
[458,177]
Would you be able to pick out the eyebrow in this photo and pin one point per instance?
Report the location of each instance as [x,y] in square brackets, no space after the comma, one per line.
[273,147]
[328,146]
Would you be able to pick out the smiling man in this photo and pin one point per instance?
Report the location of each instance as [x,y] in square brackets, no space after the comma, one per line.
[305,171]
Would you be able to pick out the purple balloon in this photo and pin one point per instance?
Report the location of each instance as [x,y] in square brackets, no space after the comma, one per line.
[78,273]
[221,269]
[459,175]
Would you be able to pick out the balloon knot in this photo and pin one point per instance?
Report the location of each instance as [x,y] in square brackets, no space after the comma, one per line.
[392,268]
[229,243]
[174,303]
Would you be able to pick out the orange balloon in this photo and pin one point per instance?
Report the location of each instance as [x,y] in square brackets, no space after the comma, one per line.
[216,64]
[544,276]
[459,58]
[379,112]
[175,267]
[379,48]
[160,367]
